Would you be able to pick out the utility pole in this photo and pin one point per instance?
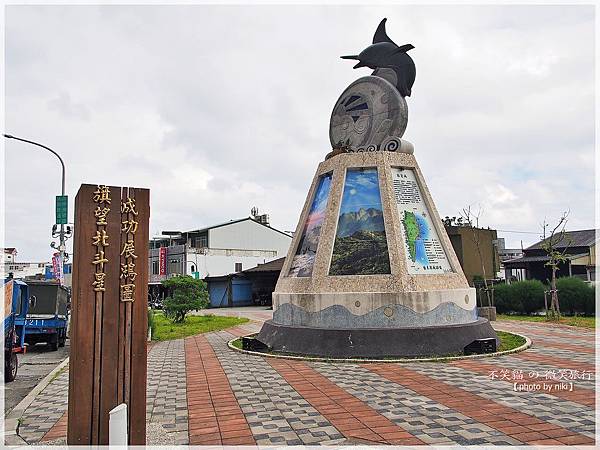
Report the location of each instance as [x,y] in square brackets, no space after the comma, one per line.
[62,238]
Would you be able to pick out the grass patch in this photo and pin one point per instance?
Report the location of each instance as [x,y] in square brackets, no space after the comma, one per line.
[237,343]
[574,321]
[165,330]
[509,341]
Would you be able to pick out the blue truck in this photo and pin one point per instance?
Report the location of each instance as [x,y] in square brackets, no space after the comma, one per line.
[48,315]
[17,300]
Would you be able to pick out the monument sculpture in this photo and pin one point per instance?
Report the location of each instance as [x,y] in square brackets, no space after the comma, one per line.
[371,271]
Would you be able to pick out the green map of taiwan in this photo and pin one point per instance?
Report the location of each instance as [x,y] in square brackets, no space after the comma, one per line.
[412,233]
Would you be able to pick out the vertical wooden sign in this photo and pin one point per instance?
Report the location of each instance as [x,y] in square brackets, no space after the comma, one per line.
[107,363]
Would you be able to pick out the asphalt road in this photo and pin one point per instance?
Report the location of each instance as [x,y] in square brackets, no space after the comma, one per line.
[33,366]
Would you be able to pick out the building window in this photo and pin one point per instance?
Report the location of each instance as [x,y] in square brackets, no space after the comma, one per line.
[175,267]
[238,267]
[201,242]
[154,267]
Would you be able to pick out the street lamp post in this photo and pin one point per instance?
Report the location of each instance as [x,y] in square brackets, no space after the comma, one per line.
[61,246]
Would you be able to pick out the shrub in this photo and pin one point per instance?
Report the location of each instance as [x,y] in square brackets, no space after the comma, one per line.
[575,296]
[187,294]
[530,293]
[522,297]
[504,299]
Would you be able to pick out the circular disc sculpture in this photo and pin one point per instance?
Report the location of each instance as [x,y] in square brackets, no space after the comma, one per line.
[371,271]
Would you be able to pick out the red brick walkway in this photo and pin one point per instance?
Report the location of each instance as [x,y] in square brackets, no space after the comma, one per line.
[352,417]
[58,430]
[551,343]
[555,361]
[514,423]
[215,417]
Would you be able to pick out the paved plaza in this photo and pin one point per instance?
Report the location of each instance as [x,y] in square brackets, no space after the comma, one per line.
[200,392]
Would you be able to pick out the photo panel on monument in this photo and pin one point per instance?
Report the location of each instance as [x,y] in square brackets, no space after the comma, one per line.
[360,246]
[304,258]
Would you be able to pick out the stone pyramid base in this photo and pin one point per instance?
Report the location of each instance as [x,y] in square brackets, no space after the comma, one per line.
[420,341]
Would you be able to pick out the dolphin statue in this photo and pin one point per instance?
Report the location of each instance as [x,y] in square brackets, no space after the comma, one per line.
[388,61]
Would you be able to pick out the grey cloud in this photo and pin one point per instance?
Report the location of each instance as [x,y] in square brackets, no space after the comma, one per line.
[221,108]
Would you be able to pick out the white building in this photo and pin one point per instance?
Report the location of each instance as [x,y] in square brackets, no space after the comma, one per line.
[19,269]
[217,250]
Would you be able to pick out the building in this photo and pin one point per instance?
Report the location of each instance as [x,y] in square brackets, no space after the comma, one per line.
[9,255]
[216,251]
[580,248]
[20,270]
[465,240]
[506,254]
[250,287]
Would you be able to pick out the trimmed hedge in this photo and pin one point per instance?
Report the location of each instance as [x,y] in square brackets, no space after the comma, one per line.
[524,297]
[575,296]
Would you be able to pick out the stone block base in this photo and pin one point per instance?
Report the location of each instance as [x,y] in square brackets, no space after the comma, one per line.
[430,341]
[487,312]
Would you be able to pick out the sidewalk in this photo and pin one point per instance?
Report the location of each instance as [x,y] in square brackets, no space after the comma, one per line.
[202,393]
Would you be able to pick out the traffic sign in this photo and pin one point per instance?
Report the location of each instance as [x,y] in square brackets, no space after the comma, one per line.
[62,205]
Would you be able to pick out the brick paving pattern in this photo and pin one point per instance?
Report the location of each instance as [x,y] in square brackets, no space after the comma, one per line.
[215,417]
[427,419]
[276,413]
[58,430]
[166,401]
[202,393]
[351,416]
[524,427]
[46,409]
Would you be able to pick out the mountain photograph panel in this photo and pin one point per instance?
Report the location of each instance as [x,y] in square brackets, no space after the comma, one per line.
[304,259]
[360,246]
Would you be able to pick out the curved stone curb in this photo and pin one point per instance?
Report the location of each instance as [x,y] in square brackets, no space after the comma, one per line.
[525,346]
[11,422]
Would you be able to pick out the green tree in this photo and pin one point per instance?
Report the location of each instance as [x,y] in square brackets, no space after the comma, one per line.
[187,294]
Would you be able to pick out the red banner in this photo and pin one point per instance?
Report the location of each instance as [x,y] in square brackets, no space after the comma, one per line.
[57,268]
[162,261]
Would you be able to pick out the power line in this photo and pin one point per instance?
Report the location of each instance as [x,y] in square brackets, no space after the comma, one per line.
[520,232]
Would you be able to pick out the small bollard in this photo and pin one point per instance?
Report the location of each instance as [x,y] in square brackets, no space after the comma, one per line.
[117,425]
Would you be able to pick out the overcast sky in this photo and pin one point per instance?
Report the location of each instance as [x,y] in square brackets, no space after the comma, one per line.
[218,109]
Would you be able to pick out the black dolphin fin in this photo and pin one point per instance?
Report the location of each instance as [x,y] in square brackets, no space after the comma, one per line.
[403,48]
[380,34]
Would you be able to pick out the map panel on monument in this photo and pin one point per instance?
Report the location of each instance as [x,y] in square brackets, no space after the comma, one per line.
[304,259]
[360,246]
[422,247]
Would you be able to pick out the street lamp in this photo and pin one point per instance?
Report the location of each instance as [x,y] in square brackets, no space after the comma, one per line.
[61,246]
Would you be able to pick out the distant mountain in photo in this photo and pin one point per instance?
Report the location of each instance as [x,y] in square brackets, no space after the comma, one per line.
[370,219]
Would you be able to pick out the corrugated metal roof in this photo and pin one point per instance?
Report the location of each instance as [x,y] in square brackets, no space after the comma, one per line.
[578,238]
[542,258]
[272,266]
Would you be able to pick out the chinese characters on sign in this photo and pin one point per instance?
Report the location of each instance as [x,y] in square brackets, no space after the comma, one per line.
[129,226]
[101,198]
[546,380]
[109,321]
[424,251]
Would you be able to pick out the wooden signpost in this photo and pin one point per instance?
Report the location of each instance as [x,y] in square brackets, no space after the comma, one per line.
[109,318]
